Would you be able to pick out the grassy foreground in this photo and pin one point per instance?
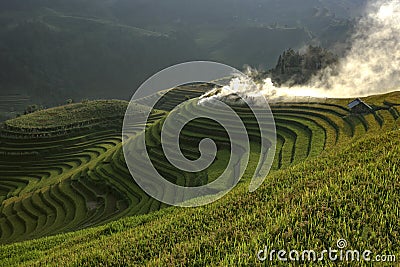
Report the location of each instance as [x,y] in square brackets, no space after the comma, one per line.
[350,193]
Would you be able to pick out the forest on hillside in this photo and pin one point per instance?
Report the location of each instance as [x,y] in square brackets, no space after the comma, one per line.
[51,51]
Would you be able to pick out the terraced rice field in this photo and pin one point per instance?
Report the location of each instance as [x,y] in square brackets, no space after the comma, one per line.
[12,104]
[13,101]
[56,179]
[73,175]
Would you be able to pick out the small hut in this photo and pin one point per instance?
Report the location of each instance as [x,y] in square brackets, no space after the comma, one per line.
[358,106]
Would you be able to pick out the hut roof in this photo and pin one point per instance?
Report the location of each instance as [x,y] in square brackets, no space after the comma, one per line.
[357,102]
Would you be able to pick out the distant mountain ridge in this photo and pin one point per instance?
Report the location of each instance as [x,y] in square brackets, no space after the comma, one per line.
[57,50]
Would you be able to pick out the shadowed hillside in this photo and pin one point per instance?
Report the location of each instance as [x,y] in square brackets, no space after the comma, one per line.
[51,51]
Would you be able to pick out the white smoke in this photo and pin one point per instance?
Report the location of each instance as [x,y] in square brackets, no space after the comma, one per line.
[373,63]
[239,90]
[371,66]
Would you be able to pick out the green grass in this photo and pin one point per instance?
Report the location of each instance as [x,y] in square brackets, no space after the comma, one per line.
[349,193]
[69,115]
[56,181]
[62,170]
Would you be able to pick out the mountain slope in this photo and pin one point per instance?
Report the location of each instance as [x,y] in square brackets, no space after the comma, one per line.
[51,51]
[63,177]
[350,192]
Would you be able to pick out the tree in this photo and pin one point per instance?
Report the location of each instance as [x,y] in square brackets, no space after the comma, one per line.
[295,68]
[32,108]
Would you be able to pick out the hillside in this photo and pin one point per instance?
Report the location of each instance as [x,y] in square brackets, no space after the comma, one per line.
[236,47]
[51,51]
[350,192]
[12,104]
[68,115]
[72,176]
[53,56]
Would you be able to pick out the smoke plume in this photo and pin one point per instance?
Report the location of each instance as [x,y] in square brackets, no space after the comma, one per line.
[371,66]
